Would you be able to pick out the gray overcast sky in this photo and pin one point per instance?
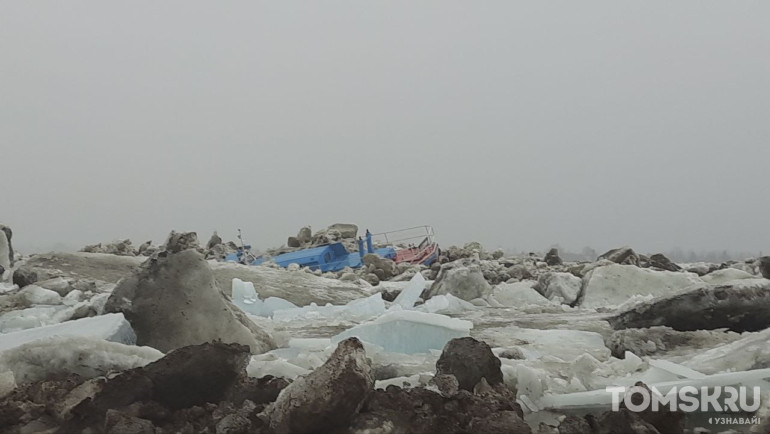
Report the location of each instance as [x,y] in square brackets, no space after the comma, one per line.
[517,124]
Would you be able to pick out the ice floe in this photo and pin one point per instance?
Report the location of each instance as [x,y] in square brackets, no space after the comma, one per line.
[409,332]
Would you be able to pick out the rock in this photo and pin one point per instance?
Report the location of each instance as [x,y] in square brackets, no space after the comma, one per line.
[386,266]
[293,242]
[215,240]
[497,254]
[24,276]
[423,411]
[372,278]
[469,360]
[173,301]
[664,420]
[463,281]
[327,398]
[764,266]
[234,424]
[562,285]
[740,307]
[447,384]
[29,402]
[305,235]
[574,425]
[658,260]
[346,230]
[504,422]
[614,284]
[623,255]
[120,423]
[552,257]
[623,421]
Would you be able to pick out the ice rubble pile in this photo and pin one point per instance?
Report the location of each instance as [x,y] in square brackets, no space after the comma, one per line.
[553,368]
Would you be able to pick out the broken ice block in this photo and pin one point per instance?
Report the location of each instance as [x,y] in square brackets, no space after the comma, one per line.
[446,304]
[411,293]
[404,331]
[111,327]
[246,298]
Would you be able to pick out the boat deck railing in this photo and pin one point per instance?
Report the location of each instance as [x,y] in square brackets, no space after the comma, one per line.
[419,239]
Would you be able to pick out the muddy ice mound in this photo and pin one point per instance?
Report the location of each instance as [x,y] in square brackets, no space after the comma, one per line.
[328,397]
[173,301]
[81,265]
[6,251]
[741,306]
[296,286]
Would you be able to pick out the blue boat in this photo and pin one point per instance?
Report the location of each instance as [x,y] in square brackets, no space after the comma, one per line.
[334,256]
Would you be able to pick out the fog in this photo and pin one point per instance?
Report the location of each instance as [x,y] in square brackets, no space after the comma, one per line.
[516,124]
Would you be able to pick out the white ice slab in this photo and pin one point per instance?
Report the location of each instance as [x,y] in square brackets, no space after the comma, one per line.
[7,287]
[752,350]
[612,285]
[111,327]
[363,308]
[602,398]
[446,304]
[247,299]
[31,317]
[85,356]
[409,332]
[518,294]
[411,293]
[34,294]
[276,368]
[567,345]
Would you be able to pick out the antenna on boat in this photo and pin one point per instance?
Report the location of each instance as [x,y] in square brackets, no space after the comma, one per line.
[240,237]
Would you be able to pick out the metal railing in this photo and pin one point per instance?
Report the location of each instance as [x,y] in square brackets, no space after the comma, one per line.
[419,238]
